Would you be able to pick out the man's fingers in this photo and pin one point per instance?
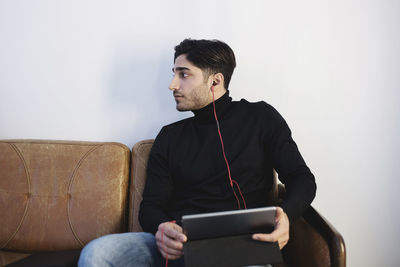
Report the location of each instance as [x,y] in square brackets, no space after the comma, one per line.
[168,250]
[282,244]
[169,238]
[170,256]
[278,235]
[174,231]
[165,249]
[272,237]
[279,212]
[167,241]
[281,232]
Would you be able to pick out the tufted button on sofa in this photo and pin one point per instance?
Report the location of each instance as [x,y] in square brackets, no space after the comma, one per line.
[56,196]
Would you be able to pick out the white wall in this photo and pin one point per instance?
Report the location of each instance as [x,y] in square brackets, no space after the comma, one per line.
[99,71]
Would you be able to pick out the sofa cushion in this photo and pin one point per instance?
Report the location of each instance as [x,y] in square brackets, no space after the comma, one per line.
[59,195]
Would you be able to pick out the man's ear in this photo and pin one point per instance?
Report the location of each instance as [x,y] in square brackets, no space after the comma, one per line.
[217,80]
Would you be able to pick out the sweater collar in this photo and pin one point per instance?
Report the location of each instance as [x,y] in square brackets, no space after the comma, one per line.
[206,113]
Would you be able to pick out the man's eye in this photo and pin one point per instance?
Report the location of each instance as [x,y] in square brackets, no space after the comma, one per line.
[184,75]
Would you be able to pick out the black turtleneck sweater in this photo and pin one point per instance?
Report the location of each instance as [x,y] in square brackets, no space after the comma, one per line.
[187,173]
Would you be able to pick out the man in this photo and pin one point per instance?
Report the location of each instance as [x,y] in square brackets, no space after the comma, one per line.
[220,159]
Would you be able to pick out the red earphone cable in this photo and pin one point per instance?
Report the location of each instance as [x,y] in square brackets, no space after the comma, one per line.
[231,181]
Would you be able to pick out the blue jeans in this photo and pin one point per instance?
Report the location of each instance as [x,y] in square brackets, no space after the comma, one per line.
[124,250]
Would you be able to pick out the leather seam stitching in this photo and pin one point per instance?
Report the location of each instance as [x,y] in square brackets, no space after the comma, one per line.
[29,193]
[71,180]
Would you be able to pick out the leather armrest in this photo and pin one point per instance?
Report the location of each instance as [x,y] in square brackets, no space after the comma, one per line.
[334,239]
[313,241]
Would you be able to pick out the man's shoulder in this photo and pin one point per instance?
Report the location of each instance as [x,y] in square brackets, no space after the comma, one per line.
[259,107]
[171,129]
[177,124]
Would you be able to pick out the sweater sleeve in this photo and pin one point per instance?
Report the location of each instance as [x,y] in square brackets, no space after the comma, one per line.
[158,189]
[292,170]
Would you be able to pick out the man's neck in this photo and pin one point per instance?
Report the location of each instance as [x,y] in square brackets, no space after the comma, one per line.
[206,113]
[218,93]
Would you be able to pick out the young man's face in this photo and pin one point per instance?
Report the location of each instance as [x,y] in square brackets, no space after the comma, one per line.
[190,89]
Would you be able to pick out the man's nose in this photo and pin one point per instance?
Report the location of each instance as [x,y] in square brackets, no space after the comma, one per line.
[174,85]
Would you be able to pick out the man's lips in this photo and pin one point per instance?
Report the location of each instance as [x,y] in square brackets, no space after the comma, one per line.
[178,96]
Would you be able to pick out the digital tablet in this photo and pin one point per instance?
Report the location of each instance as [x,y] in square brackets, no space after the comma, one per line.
[229,223]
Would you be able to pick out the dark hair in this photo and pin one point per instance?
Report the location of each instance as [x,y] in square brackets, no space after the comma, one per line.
[211,56]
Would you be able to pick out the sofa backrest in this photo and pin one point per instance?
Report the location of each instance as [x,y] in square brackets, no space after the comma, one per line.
[140,156]
[57,195]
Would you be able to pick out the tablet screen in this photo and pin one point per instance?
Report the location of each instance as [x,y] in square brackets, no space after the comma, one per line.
[229,223]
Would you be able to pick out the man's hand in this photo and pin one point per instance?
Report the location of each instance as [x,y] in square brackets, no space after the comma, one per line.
[281,232]
[170,238]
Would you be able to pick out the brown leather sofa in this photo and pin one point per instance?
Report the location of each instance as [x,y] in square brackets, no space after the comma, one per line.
[56,196]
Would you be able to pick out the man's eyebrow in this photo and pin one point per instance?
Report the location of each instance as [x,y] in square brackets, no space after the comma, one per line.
[179,69]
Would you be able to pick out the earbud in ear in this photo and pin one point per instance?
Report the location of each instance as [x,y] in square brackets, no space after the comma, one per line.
[212,87]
